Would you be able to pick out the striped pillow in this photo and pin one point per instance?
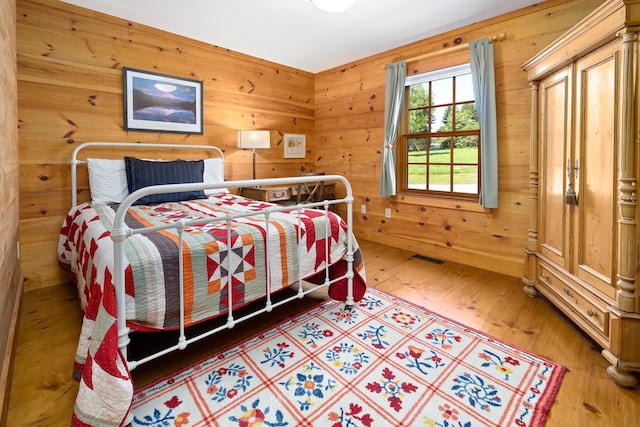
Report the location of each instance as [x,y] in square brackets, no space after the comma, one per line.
[144,173]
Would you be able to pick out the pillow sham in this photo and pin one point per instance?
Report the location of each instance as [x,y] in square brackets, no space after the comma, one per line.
[107,181]
[214,174]
[144,173]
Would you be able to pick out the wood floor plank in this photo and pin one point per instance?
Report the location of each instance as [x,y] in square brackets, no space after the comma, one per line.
[42,391]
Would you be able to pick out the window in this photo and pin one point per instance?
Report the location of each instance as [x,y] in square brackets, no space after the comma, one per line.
[439,144]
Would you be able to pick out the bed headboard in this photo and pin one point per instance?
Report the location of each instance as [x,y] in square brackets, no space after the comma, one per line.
[133,149]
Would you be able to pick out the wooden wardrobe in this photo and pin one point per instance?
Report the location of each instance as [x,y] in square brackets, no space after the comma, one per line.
[582,251]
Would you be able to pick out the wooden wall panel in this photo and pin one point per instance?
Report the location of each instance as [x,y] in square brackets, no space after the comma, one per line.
[350,113]
[10,280]
[70,64]
[69,91]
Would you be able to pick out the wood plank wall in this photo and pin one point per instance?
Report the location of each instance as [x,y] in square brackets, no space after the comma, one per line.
[9,213]
[70,63]
[350,129]
[70,91]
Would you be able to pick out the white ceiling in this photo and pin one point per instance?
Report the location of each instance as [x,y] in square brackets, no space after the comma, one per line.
[297,34]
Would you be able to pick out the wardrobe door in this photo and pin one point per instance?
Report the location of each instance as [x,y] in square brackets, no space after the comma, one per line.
[555,128]
[596,139]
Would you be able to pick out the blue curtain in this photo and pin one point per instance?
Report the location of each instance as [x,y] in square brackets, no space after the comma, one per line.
[484,90]
[393,99]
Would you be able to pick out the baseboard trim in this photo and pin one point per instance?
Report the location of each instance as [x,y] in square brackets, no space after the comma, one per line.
[7,365]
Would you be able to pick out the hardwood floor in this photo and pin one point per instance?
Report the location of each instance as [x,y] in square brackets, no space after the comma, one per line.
[43,392]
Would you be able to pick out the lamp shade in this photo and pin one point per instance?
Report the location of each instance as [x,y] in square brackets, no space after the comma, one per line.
[333,6]
[254,139]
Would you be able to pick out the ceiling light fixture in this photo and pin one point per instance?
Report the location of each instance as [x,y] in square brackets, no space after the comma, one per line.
[333,6]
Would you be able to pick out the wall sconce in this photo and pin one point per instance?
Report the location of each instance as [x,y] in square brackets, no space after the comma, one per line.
[254,139]
[333,6]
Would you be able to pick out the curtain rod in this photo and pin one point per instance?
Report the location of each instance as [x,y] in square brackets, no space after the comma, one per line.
[495,38]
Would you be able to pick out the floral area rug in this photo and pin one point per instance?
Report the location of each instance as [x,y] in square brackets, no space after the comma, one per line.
[384,362]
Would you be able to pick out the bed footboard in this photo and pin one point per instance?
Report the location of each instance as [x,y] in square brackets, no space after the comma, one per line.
[121,232]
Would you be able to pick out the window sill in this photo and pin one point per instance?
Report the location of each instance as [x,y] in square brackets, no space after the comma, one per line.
[441,202]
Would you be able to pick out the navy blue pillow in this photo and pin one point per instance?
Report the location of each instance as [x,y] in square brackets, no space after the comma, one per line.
[144,173]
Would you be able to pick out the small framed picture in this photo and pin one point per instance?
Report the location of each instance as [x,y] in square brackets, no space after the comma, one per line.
[295,145]
[160,103]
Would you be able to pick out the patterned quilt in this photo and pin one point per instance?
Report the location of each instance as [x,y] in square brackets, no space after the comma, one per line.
[211,272]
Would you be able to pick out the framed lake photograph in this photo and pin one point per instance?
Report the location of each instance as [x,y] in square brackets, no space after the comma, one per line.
[160,103]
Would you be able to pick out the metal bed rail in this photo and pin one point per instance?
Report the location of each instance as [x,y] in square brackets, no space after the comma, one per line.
[121,232]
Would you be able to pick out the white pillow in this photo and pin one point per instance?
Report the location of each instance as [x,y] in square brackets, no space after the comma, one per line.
[107,180]
[213,174]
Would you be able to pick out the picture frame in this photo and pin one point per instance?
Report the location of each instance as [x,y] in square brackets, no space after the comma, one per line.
[161,103]
[295,145]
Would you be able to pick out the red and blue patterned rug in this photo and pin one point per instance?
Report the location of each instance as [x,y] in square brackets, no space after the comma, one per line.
[385,362]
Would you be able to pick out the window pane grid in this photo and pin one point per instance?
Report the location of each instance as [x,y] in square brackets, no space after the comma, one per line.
[441,138]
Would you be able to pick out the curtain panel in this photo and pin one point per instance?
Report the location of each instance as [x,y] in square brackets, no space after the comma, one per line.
[393,101]
[484,90]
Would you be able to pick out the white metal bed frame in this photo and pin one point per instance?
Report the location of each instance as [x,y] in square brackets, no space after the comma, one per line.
[121,232]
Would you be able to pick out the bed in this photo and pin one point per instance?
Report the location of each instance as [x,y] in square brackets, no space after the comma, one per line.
[167,243]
